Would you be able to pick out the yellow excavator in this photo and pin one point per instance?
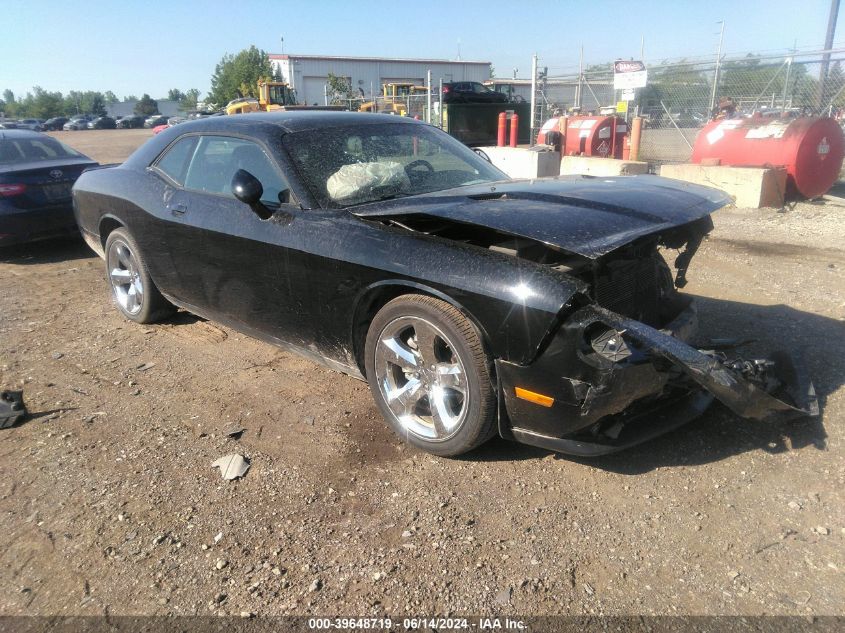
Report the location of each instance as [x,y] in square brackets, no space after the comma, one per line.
[272,95]
[396,98]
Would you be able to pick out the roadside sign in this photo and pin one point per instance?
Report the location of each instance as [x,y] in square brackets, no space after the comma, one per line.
[627,75]
[622,107]
[628,94]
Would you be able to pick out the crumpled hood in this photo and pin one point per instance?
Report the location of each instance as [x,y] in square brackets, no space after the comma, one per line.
[584,215]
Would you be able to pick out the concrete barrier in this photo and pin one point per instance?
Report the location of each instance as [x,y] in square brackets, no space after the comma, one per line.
[595,166]
[520,162]
[752,187]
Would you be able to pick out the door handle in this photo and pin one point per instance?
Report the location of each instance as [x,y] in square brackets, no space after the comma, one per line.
[178,208]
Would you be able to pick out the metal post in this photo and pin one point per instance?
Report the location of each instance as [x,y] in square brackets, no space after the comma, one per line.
[326,93]
[428,96]
[533,95]
[718,64]
[440,107]
[580,77]
[786,84]
[828,44]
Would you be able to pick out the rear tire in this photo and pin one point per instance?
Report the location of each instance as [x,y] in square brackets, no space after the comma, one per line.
[430,376]
[132,288]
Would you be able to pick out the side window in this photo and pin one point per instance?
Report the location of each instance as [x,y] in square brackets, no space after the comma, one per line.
[174,162]
[216,160]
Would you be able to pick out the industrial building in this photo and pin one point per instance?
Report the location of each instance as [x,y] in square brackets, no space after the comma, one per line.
[307,74]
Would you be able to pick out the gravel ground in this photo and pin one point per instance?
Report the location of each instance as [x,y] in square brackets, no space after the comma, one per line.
[109,503]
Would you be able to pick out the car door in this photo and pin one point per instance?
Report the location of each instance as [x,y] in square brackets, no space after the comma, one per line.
[230,264]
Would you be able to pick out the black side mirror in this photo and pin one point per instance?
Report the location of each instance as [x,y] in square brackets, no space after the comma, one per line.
[247,189]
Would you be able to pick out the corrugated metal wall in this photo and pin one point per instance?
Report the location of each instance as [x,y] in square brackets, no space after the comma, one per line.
[368,75]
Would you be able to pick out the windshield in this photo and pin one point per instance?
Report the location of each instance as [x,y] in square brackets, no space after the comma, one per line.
[346,166]
[25,150]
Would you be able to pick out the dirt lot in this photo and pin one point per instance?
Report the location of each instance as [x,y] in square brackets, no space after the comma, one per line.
[109,504]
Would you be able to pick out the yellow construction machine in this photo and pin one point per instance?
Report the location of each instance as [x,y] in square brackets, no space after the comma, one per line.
[397,97]
[272,95]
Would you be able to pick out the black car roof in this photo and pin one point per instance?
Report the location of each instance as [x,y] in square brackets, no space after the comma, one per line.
[296,120]
[20,133]
[260,124]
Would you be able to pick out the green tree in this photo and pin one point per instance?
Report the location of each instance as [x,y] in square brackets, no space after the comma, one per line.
[9,103]
[98,108]
[174,94]
[339,90]
[189,99]
[238,75]
[130,98]
[146,106]
[110,97]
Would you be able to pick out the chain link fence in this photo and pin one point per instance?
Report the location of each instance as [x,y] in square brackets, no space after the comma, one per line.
[681,97]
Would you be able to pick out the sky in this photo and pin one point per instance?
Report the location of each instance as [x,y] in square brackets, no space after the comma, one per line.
[132,47]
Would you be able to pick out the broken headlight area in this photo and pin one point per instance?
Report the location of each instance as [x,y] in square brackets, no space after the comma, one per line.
[615,382]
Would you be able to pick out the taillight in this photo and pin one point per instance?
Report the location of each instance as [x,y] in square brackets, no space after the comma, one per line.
[11,190]
[447,89]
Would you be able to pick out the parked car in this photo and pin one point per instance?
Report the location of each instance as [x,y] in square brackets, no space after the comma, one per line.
[36,125]
[176,120]
[471,92]
[473,305]
[56,123]
[36,175]
[156,119]
[78,122]
[102,123]
[9,125]
[131,121]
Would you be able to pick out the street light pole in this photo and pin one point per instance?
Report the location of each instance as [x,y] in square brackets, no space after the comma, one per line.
[718,65]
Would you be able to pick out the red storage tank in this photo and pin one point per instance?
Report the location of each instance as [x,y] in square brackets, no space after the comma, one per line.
[811,149]
[585,135]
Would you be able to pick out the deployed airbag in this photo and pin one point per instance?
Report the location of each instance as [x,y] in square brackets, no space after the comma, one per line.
[358,180]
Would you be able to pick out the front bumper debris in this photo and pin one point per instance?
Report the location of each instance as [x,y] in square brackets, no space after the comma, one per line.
[658,384]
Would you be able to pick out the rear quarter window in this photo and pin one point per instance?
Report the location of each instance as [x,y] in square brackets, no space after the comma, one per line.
[175,160]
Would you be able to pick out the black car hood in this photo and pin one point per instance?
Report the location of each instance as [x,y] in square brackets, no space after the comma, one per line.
[584,215]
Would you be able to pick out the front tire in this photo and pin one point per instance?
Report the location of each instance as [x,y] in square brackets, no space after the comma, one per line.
[430,376]
[132,289]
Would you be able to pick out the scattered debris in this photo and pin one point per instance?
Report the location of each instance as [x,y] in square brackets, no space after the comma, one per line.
[234,431]
[12,409]
[56,355]
[504,596]
[221,563]
[232,466]
[145,366]
[588,589]
[733,575]
[315,585]
[821,530]
[218,537]
[794,505]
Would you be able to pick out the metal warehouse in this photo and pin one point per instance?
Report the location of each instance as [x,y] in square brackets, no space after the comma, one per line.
[307,74]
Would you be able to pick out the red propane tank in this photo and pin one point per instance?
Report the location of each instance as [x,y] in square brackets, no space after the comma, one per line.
[811,149]
[602,136]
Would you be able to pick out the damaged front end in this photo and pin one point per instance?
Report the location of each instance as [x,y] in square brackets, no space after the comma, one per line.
[624,365]
[613,382]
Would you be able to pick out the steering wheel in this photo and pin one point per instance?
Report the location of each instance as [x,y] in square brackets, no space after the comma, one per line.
[419,163]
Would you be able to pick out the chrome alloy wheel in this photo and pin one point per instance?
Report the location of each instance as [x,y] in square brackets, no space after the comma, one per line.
[421,378]
[126,283]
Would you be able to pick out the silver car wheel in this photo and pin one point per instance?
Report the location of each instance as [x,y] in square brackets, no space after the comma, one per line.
[126,283]
[421,378]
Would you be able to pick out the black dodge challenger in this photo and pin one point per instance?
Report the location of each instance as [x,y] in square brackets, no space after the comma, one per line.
[473,305]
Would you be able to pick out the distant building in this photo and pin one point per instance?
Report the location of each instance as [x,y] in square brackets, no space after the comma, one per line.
[126,108]
[307,74]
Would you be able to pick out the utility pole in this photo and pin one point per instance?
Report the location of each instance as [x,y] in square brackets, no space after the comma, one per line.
[718,65]
[533,95]
[828,44]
